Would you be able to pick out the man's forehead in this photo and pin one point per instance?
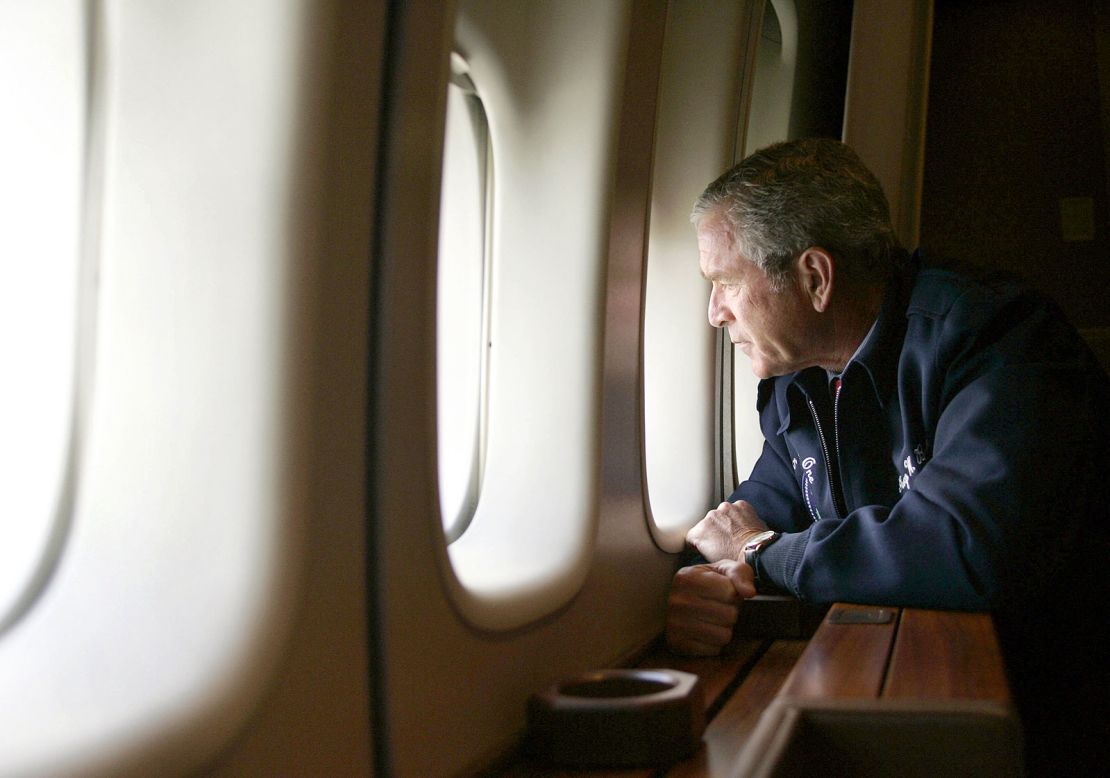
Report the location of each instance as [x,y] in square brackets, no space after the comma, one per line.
[717,254]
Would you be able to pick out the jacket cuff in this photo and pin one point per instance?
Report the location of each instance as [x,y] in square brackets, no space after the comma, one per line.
[778,562]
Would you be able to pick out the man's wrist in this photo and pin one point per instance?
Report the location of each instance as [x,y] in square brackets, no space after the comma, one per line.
[740,541]
[752,548]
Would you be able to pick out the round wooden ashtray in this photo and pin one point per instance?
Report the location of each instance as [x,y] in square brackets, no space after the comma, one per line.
[618,718]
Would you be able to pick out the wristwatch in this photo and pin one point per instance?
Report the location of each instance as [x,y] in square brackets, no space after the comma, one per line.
[756,545]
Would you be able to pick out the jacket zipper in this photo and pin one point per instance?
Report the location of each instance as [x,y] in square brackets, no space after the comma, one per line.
[837,488]
[825,451]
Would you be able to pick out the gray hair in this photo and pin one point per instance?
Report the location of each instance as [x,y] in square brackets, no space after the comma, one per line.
[790,196]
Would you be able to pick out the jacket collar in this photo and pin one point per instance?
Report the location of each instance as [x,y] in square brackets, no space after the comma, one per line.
[877,357]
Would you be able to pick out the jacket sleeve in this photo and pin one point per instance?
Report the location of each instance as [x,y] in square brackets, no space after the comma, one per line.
[1011,479]
[771,487]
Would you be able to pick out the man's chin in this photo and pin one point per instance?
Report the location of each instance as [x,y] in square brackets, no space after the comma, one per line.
[763,369]
[754,362]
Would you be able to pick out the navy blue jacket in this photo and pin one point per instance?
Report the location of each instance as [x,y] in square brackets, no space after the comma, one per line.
[965,466]
[972,422]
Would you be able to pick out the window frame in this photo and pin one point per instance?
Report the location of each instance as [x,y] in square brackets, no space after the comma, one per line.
[456,522]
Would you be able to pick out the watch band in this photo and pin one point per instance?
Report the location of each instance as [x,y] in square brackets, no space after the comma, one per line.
[754,546]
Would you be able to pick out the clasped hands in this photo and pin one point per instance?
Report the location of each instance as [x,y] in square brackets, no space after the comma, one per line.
[705,599]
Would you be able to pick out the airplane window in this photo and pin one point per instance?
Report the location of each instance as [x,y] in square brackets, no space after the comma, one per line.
[462,303]
[681,441]
[42,78]
[773,83]
[550,79]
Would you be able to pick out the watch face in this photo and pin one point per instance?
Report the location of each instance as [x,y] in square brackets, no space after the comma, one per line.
[759,540]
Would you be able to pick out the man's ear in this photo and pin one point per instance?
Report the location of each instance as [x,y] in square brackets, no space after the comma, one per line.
[816,273]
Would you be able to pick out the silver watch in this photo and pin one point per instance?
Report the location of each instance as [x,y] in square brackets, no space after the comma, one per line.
[756,545]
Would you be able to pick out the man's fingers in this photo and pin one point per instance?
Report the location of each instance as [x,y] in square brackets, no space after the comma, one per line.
[703,610]
[704,582]
[688,633]
[739,575]
[703,607]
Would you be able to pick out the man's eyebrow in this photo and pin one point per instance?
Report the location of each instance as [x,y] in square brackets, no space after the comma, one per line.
[719,277]
[711,275]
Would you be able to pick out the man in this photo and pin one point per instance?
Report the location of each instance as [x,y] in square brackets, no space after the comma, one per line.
[932,439]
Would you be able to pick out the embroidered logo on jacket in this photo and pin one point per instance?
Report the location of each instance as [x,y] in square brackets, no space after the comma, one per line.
[807,481]
[910,466]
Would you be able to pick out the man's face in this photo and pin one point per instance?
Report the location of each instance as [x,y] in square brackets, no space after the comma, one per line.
[772,328]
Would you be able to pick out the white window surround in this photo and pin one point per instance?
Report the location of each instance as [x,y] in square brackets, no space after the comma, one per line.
[527,549]
[461,310]
[700,125]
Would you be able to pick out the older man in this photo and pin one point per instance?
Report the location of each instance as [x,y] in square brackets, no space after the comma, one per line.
[932,438]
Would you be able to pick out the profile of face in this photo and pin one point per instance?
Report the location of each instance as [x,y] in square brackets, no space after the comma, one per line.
[773,328]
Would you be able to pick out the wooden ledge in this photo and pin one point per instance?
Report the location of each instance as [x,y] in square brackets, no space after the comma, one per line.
[881,737]
[882,690]
[932,682]
[946,655]
[845,660]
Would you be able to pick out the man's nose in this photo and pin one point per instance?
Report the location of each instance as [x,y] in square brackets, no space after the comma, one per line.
[719,314]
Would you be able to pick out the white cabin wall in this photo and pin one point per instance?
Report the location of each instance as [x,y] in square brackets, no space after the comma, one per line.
[208,609]
[315,717]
